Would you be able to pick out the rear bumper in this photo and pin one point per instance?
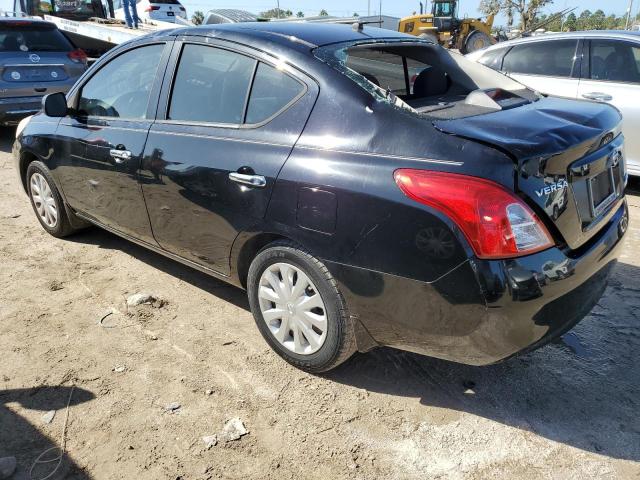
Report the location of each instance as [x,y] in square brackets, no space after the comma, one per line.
[12,110]
[484,311]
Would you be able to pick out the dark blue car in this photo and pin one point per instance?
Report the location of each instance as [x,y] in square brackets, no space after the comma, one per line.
[366,187]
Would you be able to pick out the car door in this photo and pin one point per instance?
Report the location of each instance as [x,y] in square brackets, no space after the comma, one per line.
[612,75]
[102,139]
[227,121]
[548,66]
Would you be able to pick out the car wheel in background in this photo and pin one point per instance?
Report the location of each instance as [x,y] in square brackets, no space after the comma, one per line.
[298,308]
[46,201]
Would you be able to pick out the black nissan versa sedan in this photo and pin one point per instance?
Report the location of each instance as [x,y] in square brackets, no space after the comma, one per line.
[366,187]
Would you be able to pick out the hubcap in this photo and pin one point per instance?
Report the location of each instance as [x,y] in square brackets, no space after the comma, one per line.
[42,197]
[292,308]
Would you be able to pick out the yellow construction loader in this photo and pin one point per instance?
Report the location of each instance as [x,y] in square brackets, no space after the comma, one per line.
[444,26]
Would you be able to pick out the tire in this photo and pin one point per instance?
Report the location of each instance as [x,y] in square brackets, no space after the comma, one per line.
[39,179]
[476,40]
[322,352]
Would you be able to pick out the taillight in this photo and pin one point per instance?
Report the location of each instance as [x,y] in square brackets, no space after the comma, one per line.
[78,56]
[496,223]
[183,9]
[151,8]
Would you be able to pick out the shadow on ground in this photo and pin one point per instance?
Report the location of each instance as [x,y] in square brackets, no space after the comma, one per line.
[583,392]
[21,439]
[7,135]
[207,283]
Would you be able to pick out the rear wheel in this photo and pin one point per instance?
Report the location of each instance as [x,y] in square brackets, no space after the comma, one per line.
[46,201]
[476,40]
[298,308]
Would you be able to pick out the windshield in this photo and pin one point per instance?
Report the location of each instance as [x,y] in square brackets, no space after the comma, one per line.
[442,9]
[32,38]
[421,76]
[75,9]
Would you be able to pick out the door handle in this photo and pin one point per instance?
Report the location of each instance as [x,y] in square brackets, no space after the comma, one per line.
[257,181]
[599,96]
[120,156]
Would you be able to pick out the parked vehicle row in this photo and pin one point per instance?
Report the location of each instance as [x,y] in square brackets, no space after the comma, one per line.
[366,187]
[150,10]
[596,65]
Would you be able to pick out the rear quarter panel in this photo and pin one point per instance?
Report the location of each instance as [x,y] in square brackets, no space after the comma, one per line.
[403,267]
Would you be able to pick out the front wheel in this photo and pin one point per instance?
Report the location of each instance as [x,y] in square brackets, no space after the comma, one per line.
[299,309]
[46,201]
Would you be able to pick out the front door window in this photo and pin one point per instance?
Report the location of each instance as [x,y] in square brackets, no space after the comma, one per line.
[122,87]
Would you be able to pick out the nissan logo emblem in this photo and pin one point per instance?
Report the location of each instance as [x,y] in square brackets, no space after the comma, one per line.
[34,58]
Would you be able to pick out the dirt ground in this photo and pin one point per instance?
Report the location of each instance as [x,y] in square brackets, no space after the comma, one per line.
[568,410]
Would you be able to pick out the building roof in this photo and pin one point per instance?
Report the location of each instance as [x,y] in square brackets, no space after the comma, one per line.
[233,15]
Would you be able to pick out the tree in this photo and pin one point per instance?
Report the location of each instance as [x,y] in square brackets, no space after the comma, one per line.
[598,20]
[584,20]
[611,23]
[355,14]
[300,14]
[490,7]
[571,22]
[323,13]
[197,18]
[528,10]
[277,13]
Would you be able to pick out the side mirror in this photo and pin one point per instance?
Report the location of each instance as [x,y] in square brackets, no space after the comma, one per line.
[54,105]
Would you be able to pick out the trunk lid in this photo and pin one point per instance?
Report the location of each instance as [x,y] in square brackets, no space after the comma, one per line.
[25,74]
[33,67]
[569,158]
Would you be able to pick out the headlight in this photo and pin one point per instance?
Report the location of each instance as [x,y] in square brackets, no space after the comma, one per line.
[22,124]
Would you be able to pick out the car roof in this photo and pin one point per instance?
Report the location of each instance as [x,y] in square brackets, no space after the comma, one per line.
[619,34]
[291,33]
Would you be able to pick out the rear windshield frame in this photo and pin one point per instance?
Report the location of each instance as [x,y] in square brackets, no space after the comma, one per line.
[469,75]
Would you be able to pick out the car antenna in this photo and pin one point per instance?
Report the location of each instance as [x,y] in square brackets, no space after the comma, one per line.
[359,25]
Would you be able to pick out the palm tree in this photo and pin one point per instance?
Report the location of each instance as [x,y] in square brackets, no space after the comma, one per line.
[197,18]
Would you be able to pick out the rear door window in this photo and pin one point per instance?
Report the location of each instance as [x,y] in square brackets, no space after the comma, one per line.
[122,87]
[211,85]
[553,58]
[26,37]
[272,90]
[614,61]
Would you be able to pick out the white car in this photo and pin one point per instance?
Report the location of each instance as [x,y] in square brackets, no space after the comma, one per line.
[600,66]
[161,10]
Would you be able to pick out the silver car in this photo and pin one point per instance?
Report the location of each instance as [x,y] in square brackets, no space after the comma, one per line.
[594,65]
[35,59]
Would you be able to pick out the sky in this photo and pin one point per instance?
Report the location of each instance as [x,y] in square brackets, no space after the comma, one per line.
[396,8]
